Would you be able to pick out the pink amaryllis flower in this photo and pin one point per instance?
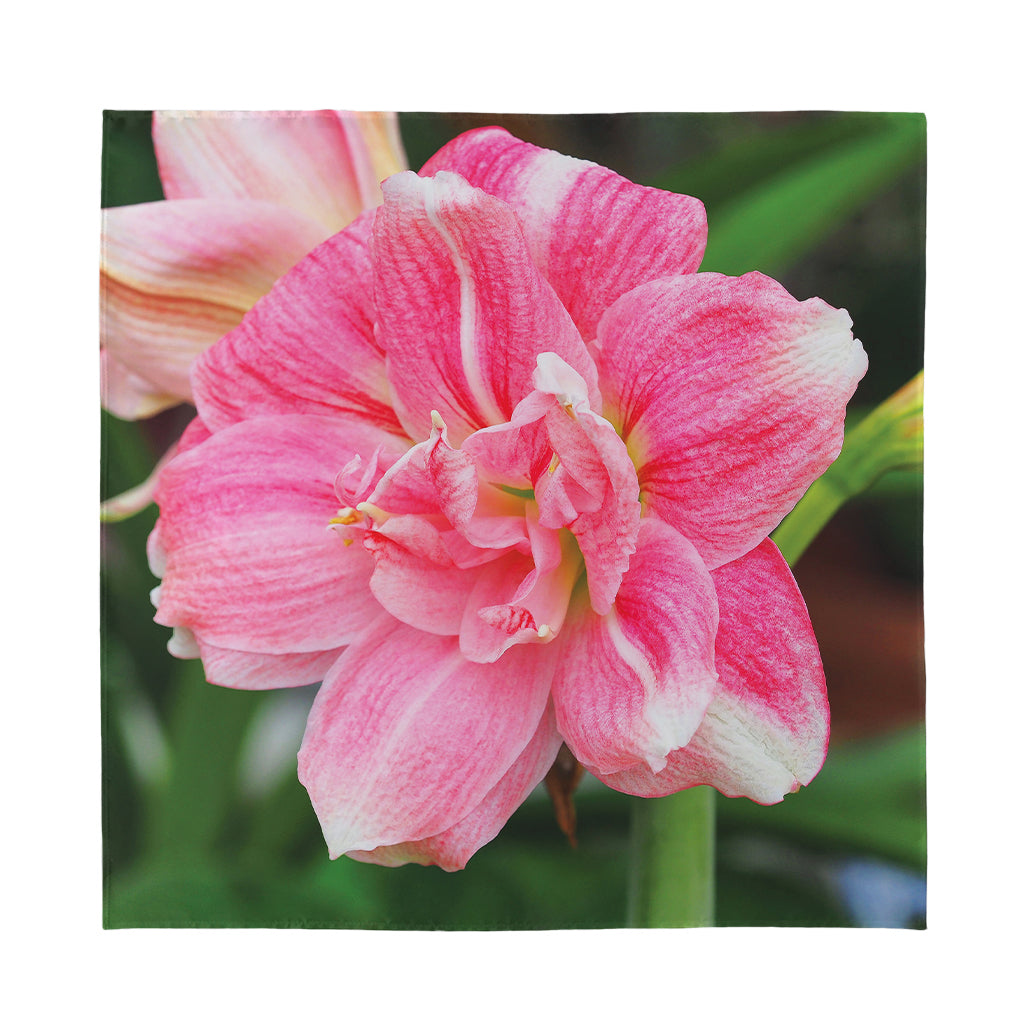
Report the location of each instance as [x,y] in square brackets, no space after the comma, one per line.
[248,194]
[499,466]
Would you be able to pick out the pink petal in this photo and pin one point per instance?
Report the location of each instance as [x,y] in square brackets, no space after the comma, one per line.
[358,478]
[593,234]
[520,599]
[766,731]
[176,276]
[194,434]
[432,478]
[633,685]
[516,453]
[415,578]
[579,468]
[731,396]
[128,395]
[463,312]
[406,737]
[440,482]
[325,164]
[308,346]
[452,849]
[596,494]
[249,561]
[244,670]
[135,500]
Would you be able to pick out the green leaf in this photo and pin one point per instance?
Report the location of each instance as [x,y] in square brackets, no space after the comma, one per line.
[205,737]
[770,226]
[126,456]
[762,151]
[129,164]
[197,895]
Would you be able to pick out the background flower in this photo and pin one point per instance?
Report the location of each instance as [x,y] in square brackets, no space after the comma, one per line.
[247,193]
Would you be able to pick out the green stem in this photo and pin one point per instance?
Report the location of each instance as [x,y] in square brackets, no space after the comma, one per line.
[672,882]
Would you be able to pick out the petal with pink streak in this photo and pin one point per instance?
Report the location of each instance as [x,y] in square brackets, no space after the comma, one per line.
[514,454]
[324,164]
[358,477]
[520,599]
[463,312]
[633,685]
[245,670]
[578,467]
[593,234]
[731,397]
[432,478]
[307,346]
[249,562]
[452,849]
[766,731]
[596,483]
[195,433]
[414,576]
[177,276]
[406,737]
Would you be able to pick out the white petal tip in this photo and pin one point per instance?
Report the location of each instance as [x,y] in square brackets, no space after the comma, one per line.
[555,376]
[183,643]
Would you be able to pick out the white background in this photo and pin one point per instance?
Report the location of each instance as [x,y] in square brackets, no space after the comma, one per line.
[63,69]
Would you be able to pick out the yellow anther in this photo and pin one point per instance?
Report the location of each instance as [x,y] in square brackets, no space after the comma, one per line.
[346,517]
[435,418]
[347,541]
[554,463]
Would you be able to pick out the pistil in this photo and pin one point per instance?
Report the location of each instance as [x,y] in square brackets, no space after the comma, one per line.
[371,511]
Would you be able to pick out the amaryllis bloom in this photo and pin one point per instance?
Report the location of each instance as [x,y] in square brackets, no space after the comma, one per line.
[248,194]
[499,466]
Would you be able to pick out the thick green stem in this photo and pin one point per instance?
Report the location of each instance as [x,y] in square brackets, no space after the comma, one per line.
[672,882]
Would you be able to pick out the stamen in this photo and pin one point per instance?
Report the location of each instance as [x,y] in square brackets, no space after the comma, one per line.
[347,541]
[544,631]
[378,515]
[554,463]
[346,517]
[435,418]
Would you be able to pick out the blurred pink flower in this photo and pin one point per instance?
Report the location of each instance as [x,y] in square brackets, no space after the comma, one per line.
[499,466]
[248,194]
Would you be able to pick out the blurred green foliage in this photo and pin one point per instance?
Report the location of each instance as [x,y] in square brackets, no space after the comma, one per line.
[129,164]
[832,204]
